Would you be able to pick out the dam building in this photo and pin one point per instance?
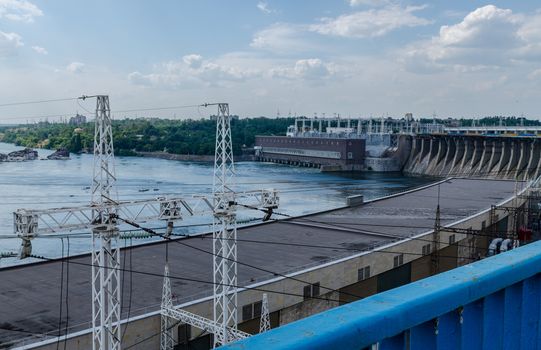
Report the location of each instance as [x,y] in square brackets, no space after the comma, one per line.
[328,154]
[502,152]
[341,144]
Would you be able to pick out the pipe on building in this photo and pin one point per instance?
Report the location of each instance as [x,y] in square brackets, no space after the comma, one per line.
[506,245]
[493,248]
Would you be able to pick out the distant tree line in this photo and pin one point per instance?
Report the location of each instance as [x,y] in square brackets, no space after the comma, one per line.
[145,135]
[485,121]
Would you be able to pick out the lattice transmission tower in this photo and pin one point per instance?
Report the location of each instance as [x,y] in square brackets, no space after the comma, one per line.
[224,230]
[105,248]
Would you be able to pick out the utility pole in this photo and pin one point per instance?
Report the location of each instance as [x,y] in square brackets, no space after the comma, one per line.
[224,230]
[166,340]
[105,249]
[224,206]
[264,324]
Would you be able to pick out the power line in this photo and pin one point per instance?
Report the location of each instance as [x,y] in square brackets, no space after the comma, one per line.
[112,111]
[153,109]
[153,335]
[188,279]
[208,282]
[129,222]
[305,245]
[250,265]
[38,101]
[213,283]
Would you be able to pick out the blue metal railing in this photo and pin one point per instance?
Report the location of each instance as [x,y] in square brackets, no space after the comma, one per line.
[490,304]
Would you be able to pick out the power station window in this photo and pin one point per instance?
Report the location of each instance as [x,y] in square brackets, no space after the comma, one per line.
[315,289]
[250,311]
[363,273]
[184,334]
[426,249]
[452,239]
[310,291]
[247,312]
[307,292]
[398,260]
[257,309]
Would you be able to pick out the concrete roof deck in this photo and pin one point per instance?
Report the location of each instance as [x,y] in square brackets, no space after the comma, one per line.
[30,295]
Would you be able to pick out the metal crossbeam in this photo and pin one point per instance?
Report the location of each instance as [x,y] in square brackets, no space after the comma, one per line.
[203,323]
[29,223]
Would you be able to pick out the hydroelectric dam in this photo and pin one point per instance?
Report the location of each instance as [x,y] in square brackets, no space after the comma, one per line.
[408,146]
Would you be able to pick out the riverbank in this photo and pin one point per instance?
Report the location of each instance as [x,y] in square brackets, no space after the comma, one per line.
[191,157]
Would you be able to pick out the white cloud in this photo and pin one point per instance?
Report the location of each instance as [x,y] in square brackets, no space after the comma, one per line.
[192,69]
[9,42]
[536,74]
[371,23]
[193,61]
[487,26]
[40,50]
[487,37]
[373,3]
[264,7]
[530,33]
[75,67]
[287,38]
[281,38]
[312,68]
[19,10]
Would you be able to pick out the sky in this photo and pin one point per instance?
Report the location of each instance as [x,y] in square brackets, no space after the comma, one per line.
[359,58]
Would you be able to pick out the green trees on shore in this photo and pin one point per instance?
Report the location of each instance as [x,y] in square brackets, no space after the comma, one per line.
[145,135]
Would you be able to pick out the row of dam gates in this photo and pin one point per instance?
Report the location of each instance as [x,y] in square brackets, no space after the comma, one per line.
[474,156]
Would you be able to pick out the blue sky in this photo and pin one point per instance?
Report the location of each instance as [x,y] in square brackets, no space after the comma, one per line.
[354,57]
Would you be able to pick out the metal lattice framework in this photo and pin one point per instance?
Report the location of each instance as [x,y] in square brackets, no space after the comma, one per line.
[264,324]
[166,339]
[203,323]
[224,323]
[100,216]
[105,249]
[262,199]
[225,231]
[31,223]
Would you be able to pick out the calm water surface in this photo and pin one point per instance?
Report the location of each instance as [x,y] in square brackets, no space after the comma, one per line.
[57,183]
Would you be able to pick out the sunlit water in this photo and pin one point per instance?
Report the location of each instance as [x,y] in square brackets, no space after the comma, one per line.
[60,183]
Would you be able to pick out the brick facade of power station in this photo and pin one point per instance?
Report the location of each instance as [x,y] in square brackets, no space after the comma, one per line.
[347,154]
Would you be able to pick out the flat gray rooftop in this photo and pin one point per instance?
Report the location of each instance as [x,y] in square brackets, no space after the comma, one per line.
[30,295]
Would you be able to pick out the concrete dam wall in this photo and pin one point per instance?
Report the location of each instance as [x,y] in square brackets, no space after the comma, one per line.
[475,156]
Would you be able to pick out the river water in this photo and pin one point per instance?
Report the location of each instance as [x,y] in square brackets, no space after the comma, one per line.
[60,183]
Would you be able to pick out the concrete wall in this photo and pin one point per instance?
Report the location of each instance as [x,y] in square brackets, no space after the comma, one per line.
[478,156]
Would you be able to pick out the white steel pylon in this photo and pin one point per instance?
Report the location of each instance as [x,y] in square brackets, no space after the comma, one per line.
[105,250]
[264,324]
[166,340]
[224,231]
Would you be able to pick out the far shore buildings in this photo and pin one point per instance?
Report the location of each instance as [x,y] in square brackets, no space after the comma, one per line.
[79,119]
